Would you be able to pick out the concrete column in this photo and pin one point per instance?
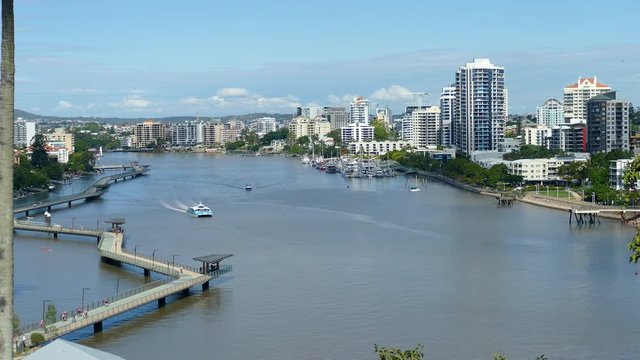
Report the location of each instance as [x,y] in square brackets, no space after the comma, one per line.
[97,327]
[162,302]
[185,292]
[205,286]
[69,204]
[147,272]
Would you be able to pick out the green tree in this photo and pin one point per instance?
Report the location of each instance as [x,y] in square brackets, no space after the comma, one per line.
[399,354]
[234,145]
[380,130]
[575,171]
[51,315]
[336,135]
[634,247]
[39,155]
[632,175]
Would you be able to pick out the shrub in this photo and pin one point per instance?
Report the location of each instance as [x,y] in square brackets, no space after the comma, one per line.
[36,338]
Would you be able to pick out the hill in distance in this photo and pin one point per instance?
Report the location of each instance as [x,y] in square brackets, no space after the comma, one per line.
[171,119]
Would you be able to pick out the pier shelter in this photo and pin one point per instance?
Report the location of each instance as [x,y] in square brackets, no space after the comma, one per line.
[211,265]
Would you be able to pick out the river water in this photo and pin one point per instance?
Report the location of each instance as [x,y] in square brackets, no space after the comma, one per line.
[325,267]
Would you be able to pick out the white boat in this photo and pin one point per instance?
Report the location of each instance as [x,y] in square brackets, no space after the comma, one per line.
[306,160]
[199,210]
[414,189]
[248,187]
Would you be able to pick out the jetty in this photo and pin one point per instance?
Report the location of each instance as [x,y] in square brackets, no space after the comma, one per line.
[95,190]
[180,278]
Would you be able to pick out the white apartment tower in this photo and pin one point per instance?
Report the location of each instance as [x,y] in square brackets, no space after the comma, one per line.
[576,97]
[359,111]
[23,132]
[479,106]
[447,98]
[422,127]
[551,113]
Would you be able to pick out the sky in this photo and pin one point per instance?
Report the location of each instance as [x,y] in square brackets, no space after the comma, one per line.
[152,59]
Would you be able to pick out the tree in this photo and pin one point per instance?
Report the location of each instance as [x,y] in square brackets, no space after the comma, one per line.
[399,354]
[51,315]
[380,130]
[632,175]
[39,155]
[7,102]
[336,135]
[575,171]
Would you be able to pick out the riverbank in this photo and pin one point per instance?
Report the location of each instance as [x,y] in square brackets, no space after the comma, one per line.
[562,204]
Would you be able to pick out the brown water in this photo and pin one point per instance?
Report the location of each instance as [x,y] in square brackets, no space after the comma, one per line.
[326,267]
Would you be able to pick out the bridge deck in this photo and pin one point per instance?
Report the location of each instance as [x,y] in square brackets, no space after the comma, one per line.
[110,246]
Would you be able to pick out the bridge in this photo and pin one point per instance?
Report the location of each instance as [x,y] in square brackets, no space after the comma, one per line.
[102,168]
[180,279]
[95,190]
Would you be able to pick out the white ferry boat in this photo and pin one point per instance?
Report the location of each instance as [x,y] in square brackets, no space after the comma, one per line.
[200,210]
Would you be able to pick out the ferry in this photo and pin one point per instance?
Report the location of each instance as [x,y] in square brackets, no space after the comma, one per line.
[200,210]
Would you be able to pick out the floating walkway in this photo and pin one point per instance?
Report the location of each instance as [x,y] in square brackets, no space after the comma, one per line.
[181,279]
[96,189]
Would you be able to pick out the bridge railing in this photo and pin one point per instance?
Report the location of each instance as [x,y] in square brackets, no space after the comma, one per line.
[97,304]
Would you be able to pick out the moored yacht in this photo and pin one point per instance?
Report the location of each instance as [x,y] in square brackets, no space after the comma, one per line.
[199,210]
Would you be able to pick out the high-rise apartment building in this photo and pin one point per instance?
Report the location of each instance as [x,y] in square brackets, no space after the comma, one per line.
[149,132]
[212,133]
[23,132]
[310,112]
[338,117]
[422,127]
[479,106]
[359,110]
[569,138]
[447,98]
[62,139]
[188,133]
[551,113]
[576,97]
[607,123]
[265,125]
[357,132]
[302,126]
[536,135]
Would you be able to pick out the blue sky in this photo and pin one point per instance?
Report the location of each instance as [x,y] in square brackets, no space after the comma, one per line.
[140,58]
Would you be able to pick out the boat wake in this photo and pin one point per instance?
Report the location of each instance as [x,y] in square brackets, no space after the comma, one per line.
[177,206]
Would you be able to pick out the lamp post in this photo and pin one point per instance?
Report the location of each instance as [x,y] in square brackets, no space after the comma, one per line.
[135,249]
[153,255]
[593,198]
[173,260]
[83,289]
[43,307]
[117,285]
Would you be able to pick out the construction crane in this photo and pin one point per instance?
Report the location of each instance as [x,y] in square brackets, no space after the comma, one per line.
[417,96]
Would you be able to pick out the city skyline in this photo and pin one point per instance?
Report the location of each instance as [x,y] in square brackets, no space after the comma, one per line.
[138,60]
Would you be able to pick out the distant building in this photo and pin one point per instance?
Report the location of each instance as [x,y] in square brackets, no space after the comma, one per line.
[23,132]
[480,106]
[447,99]
[538,135]
[376,147]
[576,97]
[310,112]
[149,132]
[188,133]
[551,113]
[231,132]
[62,139]
[265,125]
[539,170]
[569,138]
[357,132]
[617,169]
[212,133]
[338,117]
[359,111]
[302,126]
[384,115]
[607,123]
[422,127]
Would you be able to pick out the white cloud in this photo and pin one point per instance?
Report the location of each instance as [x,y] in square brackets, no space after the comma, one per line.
[395,93]
[232,92]
[133,102]
[192,101]
[64,105]
[341,100]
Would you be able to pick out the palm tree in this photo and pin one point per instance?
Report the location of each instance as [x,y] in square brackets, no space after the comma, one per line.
[7,89]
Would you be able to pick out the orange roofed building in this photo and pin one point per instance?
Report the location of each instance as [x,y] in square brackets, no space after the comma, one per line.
[576,96]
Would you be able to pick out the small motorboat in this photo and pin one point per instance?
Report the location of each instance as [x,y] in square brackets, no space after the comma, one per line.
[248,187]
[199,210]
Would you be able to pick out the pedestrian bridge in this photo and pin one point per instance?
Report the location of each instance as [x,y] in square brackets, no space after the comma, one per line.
[180,278]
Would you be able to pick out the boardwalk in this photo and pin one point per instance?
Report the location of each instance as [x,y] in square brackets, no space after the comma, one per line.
[180,279]
[96,189]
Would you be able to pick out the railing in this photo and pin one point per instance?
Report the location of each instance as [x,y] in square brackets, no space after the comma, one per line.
[42,226]
[147,262]
[94,305]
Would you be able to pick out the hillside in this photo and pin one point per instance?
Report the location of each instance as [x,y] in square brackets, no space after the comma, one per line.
[171,119]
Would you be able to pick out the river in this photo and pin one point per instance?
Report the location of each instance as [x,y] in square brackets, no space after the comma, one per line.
[325,267]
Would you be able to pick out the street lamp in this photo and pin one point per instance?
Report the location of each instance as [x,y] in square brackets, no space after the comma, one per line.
[43,307]
[593,198]
[153,255]
[83,289]
[173,260]
[117,285]
[135,249]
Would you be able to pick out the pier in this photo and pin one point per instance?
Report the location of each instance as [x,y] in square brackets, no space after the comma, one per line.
[180,279]
[95,190]
[589,216]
